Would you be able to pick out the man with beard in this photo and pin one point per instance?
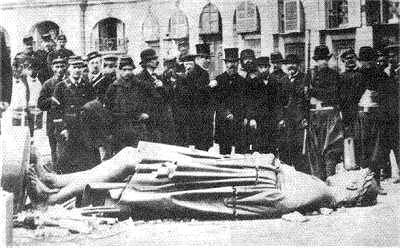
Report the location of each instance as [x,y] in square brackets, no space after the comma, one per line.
[47,102]
[325,137]
[201,106]
[45,70]
[125,100]
[392,54]
[157,95]
[97,79]
[276,62]
[61,51]
[295,111]
[28,48]
[267,107]
[253,94]
[371,113]
[229,104]
[72,94]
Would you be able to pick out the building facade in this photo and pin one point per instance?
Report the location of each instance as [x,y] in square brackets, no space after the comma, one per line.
[128,26]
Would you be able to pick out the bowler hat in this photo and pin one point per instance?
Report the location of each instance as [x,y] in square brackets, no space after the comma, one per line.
[126,61]
[46,37]
[247,54]
[291,59]
[392,49]
[231,54]
[75,60]
[321,52]
[61,37]
[366,53]
[147,55]
[188,57]
[93,55]
[27,40]
[203,50]
[262,61]
[276,57]
[58,60]
[347,52]
[110,57]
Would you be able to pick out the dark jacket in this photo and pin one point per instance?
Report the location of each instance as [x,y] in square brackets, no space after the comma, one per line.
[46,104]
[60,53]
[5,72]
[45,72]
[200,92]
[324,85]
[278,74]
[100,85]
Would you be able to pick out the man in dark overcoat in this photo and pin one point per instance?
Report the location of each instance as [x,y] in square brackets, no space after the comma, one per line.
[229,96]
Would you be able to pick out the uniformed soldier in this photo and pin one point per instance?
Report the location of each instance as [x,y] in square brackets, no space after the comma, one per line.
[99,81]
[253,96]
[72,94]
[276,62]
[157,94]
[47,102]
[28,48]
[371,113]
[201,134]
[61,51]
[325,136]
[125,99]
[45,70]
[229,101]
[268,109]
[294,115]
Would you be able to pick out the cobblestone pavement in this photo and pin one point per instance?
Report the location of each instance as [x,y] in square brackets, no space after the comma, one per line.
[378,225]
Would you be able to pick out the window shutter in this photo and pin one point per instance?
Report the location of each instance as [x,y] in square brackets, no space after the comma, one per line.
[293,16]
[246,18]
[151,28]
[179,27]
[209,20]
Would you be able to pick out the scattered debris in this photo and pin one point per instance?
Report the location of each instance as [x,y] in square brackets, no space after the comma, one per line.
[295,217]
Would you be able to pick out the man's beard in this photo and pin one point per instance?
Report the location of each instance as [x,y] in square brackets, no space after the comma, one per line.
[264,75]
[249,66]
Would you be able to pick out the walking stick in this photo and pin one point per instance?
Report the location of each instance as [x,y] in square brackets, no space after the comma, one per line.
[308,78]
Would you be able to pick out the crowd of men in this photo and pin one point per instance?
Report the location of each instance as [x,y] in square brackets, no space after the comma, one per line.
[96,106]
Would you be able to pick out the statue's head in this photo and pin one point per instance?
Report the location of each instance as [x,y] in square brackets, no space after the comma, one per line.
[354,188]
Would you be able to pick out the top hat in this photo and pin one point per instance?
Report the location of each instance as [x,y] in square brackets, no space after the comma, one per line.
[262,61]
[366,53]
[321,52]
[203,50]
[46,37]
[58,60]
[347,52]
[187,58]
[27,40]
[276,57]
[231,54]
[147,55]
[291,59]
[392,49]
[247,54]
[75,60]
[93,55]
[61,37]
[126,61]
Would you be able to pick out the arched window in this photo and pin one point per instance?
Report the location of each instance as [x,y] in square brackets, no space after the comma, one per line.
[151,28]
[108,35]
[178,26]
[247,18]
[210,20]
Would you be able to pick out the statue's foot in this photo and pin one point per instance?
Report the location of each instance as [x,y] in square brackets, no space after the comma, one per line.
[38,191]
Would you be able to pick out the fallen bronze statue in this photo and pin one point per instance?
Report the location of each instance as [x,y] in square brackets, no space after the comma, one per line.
[170,181]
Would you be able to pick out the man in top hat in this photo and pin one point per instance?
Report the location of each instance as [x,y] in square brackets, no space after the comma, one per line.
[325,136]
[201,105]
[248,71]
[47,102]
[60,51]
[157,94]
[229,96]
[276,62]
[47,47]
[294,114]
[125,99]
[72,93]
[371,114]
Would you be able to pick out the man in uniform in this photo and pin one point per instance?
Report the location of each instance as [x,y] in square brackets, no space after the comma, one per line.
[61,51]
[295,111]
[325,136]
[157,95]
[201,106]
[45,71]
[28,48]
[253,95]
[125,100]
[371,113]
[229,103]
[276,62]
[73,93]
[47,102]
[97,79]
